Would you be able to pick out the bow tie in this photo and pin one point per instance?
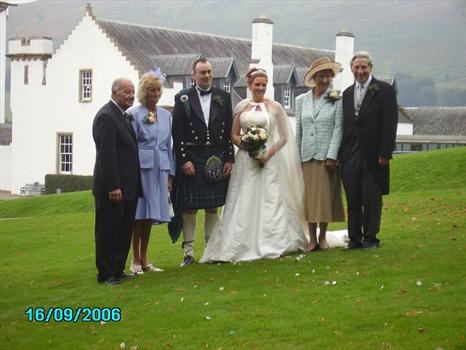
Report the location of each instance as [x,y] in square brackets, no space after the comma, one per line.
[205,92]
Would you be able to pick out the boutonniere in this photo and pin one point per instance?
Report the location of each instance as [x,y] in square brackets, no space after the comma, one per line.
[149,118]
[373,88]
[184,99]
[218,100]
[333,96]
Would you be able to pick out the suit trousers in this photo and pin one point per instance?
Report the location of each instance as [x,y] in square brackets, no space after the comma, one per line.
[113,229]
[363,197]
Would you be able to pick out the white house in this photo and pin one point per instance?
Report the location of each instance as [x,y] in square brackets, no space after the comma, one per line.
[55,95]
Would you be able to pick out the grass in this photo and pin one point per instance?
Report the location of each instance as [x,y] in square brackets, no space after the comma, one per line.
[47,259]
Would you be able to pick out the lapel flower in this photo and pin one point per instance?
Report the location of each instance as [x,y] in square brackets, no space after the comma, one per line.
[218,100]
[149,118]
[333,96]
[373,88]
[184,99]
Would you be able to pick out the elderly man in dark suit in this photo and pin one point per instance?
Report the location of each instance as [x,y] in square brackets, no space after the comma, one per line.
[202,120]
[116,183]
[370,119]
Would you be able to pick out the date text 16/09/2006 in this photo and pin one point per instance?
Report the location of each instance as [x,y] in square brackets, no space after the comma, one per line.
[70,314]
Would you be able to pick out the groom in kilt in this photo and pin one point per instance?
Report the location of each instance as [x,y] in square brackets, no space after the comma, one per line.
[202,121]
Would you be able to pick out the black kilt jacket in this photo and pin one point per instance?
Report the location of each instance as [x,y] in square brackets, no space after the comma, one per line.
[190,131]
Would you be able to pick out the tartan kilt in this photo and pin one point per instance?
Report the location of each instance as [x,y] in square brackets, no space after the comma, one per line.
[195,191]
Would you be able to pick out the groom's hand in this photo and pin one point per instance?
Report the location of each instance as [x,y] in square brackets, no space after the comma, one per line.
[188,169]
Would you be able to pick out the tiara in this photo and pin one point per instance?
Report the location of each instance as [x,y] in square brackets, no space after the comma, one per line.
[255,71]
[158,73]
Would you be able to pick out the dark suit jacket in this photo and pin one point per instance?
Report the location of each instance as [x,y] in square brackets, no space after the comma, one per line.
[117,161]
[189,126]
[374,128]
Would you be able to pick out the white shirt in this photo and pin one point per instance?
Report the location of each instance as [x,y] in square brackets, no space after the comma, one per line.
[205,104]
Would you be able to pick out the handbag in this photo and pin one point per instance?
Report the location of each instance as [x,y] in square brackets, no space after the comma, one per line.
[213,169]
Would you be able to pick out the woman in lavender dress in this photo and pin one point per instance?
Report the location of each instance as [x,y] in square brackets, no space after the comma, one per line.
[152,125]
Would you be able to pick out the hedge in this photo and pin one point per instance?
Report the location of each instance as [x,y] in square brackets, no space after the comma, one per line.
[67,183]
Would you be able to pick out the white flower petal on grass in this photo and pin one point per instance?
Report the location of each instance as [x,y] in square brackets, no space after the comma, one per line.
[122,345]
[207,303]
[327,283]
[418,283]
[221,289]
[264,295]
[102,322]
[381,287]
[181,300]
[357,273]
[297,274]
[208,318]
[313,271]
[334,282]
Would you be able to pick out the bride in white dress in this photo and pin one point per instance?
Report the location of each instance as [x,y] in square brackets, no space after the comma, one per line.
[263,215]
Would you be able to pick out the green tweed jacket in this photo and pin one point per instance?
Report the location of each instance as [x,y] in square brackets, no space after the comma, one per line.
[318,126]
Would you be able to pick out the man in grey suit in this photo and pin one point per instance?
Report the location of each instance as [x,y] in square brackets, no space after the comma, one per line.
[116,183]
[370,119]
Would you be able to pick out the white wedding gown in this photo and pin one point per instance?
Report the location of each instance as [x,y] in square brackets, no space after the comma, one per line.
[263,215]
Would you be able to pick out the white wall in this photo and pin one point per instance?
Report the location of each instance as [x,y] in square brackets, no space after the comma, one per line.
[404,129]
[261,49]
[3,16]
[40,112]
[5,168]
[344,51]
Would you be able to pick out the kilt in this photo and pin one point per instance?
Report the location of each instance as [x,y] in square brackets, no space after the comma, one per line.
[194,191]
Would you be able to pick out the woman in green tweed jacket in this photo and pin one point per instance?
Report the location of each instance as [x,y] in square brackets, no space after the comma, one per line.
[319,118]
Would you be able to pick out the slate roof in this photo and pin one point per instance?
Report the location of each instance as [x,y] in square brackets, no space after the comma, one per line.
[283,73]
[140,44]
[437,120]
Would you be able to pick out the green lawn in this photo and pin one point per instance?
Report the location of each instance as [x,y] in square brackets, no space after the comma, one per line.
[409,294]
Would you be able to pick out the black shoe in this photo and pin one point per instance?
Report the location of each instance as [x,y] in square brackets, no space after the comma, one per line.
[353,245]
[187,260]
[113,280]
[125,276]
[370,245]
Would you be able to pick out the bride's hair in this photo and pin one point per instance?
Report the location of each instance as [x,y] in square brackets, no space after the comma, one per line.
[255,72]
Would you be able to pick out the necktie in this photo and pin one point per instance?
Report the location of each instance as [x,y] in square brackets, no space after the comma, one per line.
[128,117]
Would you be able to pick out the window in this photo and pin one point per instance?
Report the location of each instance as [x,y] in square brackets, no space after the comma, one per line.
[287,98]
[85,85]
[26,74]
[65,153]
[226,85]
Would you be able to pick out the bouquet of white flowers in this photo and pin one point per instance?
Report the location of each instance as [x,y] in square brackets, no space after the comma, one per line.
[254,140]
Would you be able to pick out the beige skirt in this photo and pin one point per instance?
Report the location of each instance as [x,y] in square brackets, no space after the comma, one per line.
[322,193]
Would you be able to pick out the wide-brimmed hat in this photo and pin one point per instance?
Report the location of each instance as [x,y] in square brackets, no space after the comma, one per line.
[318,65]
